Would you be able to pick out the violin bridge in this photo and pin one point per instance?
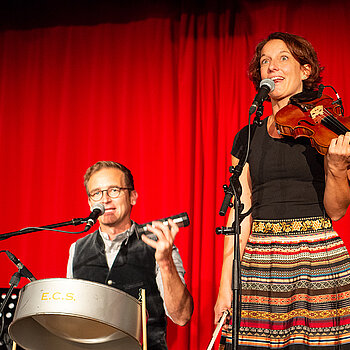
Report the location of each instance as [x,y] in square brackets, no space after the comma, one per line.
[317,114]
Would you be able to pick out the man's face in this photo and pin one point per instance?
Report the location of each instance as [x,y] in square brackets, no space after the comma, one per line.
[117,210]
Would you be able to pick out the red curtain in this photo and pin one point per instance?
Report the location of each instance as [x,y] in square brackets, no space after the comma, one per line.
[164,92]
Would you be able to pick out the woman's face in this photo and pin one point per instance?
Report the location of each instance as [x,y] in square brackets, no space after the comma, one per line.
[277,63]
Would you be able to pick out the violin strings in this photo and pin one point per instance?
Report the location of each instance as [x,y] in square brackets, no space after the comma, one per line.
[338,127]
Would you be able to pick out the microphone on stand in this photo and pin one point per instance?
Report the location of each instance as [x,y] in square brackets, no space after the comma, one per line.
[97,210]
[266,86]
[182,220]
[22,269]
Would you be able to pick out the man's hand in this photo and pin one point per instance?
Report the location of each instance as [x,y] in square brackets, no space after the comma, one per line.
[177,298]
[164,245]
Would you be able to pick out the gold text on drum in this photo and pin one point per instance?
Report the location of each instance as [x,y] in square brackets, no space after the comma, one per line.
[57,296]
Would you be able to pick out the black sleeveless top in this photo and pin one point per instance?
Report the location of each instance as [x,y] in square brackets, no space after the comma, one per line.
[287,175]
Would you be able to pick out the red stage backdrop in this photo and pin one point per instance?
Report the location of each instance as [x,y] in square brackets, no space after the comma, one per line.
[160,87]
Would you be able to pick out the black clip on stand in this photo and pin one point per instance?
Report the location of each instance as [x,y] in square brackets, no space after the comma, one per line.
[258,115]
[234,189]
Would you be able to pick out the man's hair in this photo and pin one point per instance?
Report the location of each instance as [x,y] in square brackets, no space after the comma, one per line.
[302,51]
[128,178]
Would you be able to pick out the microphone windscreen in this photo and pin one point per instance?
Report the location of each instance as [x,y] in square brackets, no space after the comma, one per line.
[269,83]
[98,206]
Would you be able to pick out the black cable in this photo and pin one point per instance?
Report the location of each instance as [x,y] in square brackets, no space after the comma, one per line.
[48,229]
[338,100]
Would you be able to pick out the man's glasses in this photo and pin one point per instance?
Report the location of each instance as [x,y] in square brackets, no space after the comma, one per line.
[113,192]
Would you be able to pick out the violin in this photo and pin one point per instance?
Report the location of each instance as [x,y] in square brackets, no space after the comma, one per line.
[316,116]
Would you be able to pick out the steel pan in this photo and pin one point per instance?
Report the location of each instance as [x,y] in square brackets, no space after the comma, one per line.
[72,314]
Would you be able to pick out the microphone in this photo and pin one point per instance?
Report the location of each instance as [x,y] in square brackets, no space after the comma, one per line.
[266,86]
[22,269]
[97,210]
[181,220]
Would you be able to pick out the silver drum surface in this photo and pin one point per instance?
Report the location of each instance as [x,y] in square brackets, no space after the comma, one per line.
[72,314]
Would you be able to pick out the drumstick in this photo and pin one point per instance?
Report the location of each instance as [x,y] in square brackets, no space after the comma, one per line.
[217,329]
[144,319]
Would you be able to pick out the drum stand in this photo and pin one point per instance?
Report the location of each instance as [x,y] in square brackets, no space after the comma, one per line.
[144,319]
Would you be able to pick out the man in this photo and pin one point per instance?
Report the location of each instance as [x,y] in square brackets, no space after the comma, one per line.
[115,256]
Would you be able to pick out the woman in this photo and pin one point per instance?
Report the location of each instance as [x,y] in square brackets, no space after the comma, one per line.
[295,268]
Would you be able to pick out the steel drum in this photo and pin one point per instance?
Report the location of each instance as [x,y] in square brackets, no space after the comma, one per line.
[72,314]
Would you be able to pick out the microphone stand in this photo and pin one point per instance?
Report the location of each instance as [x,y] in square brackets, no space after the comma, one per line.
[13,283]
[235,189]
[15,279]
[74,222]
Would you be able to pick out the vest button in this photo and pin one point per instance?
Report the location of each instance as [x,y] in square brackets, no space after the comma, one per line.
[109,282]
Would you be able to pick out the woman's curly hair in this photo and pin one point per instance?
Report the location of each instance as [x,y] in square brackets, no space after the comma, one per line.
[301,50]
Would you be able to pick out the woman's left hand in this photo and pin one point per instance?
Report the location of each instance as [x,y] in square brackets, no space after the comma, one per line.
[336,197]
[338,156]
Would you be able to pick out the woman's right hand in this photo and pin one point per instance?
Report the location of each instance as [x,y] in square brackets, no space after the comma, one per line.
[223,303]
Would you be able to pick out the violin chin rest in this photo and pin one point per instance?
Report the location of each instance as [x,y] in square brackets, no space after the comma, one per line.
[304,96]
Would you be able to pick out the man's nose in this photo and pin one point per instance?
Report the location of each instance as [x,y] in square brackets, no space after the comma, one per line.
[105,197]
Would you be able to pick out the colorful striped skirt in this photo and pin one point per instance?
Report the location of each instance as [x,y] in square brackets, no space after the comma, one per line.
[295,287]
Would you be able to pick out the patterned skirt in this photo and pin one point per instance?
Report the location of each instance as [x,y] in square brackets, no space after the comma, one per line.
[295,287]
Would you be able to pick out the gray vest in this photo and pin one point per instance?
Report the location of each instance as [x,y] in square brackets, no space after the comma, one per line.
[133,268]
